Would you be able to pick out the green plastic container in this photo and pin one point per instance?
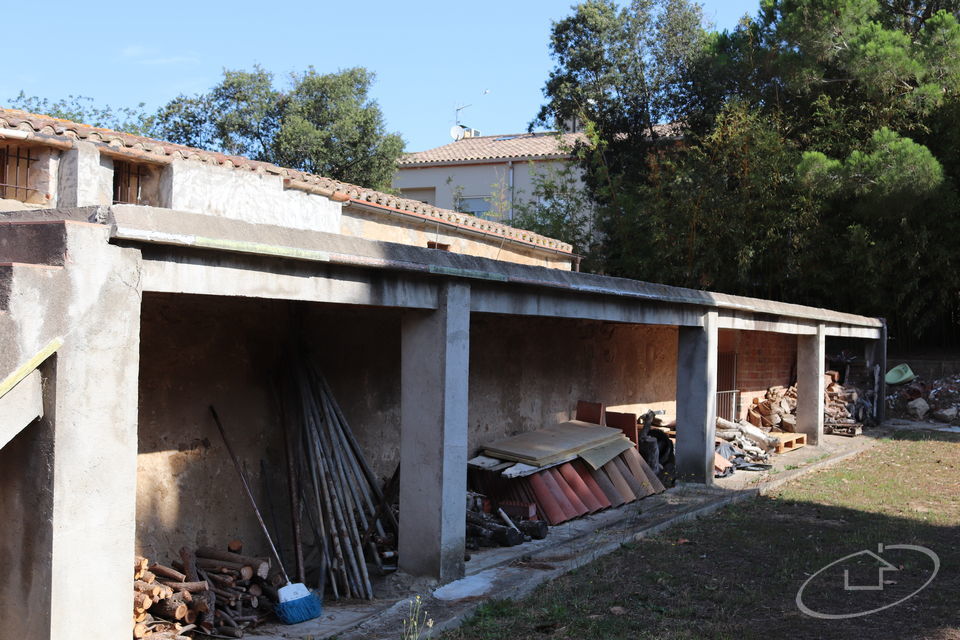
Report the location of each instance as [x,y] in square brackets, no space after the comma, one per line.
[900,374]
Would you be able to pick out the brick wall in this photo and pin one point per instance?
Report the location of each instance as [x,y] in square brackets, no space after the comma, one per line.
[763,360]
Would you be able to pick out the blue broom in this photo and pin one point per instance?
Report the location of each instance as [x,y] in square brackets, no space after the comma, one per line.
[297,602]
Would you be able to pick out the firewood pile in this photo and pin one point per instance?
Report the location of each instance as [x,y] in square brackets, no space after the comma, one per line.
[777,411]
[843,407]
[212,591]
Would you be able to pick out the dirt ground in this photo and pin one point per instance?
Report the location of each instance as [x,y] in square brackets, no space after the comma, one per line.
[737,573]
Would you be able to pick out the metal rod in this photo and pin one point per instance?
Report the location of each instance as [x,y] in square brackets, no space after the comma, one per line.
[246,487]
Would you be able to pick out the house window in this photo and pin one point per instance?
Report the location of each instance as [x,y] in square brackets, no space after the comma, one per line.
[15,161]
[128,181]
[474,205]
[437,245]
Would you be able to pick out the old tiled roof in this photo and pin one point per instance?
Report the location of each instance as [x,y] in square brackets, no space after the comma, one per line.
[517,146]
[47,128]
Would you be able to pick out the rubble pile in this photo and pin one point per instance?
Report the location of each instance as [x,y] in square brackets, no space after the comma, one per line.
[918,400]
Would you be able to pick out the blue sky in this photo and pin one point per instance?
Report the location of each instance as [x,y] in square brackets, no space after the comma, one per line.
[429,56]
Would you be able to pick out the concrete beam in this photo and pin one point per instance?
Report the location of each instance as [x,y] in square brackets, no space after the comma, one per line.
[168,270]
[435,352]
[553,304]
[811,351]
[20,406]
[747,322]
[697,400]
[845,331]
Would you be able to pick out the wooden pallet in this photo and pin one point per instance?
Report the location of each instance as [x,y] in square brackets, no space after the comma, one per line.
[790,441]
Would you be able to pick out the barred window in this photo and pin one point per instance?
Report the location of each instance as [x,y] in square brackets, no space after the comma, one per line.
[127,182]
[15,161]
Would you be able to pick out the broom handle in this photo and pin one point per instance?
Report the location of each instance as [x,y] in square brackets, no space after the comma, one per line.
[246,487]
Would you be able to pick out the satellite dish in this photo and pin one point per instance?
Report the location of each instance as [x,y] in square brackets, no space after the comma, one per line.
[456,132]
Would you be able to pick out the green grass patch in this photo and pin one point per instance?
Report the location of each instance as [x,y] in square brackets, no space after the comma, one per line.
[735,574]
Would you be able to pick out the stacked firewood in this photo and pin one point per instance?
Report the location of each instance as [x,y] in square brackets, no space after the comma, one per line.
[160,599]
[777,411]
[838,401]
[217,592]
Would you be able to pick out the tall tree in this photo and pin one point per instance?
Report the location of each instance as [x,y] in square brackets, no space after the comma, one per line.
[322,123]
[819,159]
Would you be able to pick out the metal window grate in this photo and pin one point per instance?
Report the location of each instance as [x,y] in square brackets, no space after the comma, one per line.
[127,182]
[15,162]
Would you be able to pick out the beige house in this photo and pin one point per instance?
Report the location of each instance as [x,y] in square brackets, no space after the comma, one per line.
[486,176]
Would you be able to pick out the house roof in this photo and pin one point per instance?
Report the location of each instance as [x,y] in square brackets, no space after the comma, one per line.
[517,145]
[522,146]
[50,130]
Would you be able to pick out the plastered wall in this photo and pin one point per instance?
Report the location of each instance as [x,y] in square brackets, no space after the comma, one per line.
[526,373]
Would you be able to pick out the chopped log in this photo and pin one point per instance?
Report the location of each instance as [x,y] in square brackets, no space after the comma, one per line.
[140,565]
[171,608]
[141,602]
[188,560]
[235,546]
[140,629]
[788,422]
[167,572]
[255,589]
[222,580]
[245,570]
[152,589]
[140,616]
[536,529]
[148,576]
[189,587]
[261,566]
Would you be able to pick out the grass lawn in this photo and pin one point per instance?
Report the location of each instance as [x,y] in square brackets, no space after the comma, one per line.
[735,574]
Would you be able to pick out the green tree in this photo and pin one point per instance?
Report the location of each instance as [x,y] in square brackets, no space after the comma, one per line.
[558,207]
[820,151]
[323,123]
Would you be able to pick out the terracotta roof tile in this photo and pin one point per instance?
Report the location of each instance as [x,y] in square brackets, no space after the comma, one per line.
[50,126]
[519,145]
[547,144]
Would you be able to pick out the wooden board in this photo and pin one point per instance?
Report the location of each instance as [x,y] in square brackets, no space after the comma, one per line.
[552,443]
[790,441]
[599,456]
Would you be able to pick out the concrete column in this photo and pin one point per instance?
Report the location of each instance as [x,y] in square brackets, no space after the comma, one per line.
[811,351]
[84,179]
[435,353]
[76,522]
[876,356]
[697,400]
